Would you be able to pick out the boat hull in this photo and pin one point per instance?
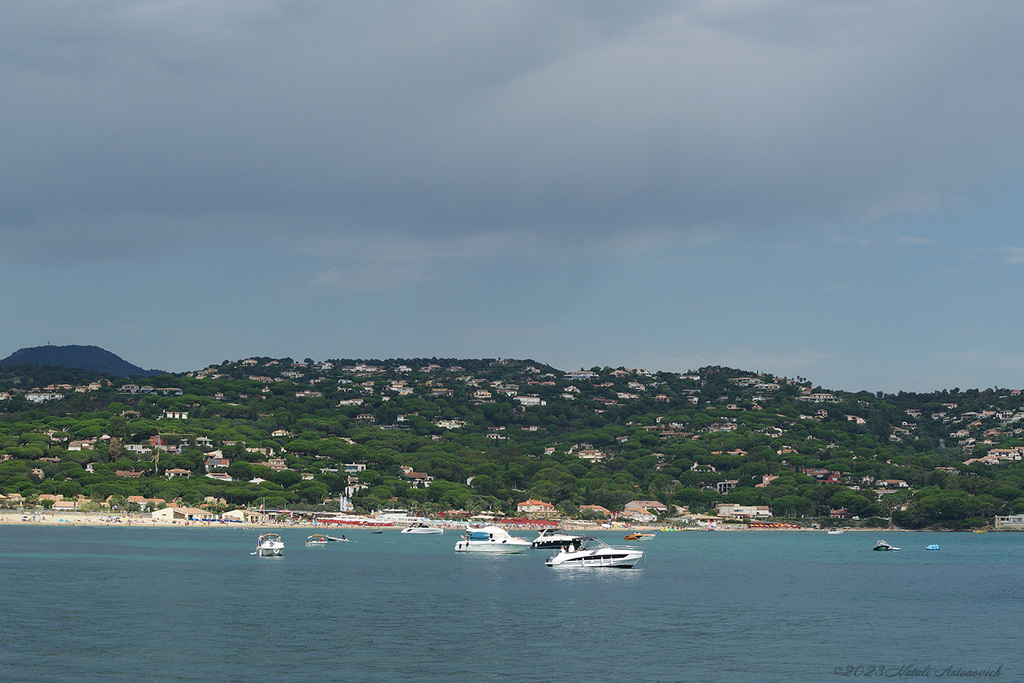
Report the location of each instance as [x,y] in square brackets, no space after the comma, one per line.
[553,544]
[269,545]
[489,547]
[618,559]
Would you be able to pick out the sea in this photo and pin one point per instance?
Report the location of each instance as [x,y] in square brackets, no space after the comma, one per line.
[183,604]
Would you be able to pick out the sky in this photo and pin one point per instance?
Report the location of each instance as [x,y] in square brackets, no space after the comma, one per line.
[826,189]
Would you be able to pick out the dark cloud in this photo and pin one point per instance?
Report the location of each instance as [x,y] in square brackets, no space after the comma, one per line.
[135,124]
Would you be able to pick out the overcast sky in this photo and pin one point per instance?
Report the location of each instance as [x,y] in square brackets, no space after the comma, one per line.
[825,189]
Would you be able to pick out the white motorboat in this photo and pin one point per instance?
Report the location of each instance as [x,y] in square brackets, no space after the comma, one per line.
[422,528]
[554,538]
[638,537]
[316,541]
[269,545]
[882,545]
[490,539]
[593,552]
[834,531]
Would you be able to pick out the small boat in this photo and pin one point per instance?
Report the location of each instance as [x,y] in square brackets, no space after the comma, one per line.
[638,537]
[422,528]
[833,532]
[554,538]
[333,538]
[593,552]
[933,546]
[490,539]
[316,541]
[269,545]
[882,545]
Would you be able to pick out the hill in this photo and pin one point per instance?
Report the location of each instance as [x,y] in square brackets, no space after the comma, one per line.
[458,436]
[74,356]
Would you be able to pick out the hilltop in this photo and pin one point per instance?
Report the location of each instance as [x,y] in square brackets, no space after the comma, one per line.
[441,435]
[82,357]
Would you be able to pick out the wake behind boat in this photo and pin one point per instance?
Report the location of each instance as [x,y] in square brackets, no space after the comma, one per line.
[593,552]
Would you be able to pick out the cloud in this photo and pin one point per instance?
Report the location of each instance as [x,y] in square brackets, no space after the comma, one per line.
[1014,255]
[136,125]
[912,240]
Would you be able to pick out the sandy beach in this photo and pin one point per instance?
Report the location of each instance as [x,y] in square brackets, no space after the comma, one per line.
[71,518]
[144,520]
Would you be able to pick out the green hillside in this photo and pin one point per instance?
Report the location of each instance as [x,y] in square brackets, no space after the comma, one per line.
[487,434]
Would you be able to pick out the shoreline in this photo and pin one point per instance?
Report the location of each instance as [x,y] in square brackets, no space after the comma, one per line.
[142,520]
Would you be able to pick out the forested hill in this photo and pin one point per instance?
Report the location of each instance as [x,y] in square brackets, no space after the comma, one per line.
[74,356]
[488,434]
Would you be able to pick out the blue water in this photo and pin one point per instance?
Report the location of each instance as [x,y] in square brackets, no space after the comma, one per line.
[140,604]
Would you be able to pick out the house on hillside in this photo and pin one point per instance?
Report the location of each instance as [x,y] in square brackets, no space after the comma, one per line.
[603,511]
[416,479]
[730,511]
[216,460]
[535,508]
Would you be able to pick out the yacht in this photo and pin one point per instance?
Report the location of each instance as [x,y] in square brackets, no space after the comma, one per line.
[490,539]
[422,528]
[269,545]
[554,538]
[593,552]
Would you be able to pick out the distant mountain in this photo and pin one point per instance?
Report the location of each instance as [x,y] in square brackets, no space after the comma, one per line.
[73,356]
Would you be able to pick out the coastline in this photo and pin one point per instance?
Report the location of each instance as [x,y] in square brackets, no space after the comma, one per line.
[143,520]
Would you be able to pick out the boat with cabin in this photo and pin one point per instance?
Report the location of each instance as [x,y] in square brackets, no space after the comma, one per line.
[593,552]
[554,538]
[490,539]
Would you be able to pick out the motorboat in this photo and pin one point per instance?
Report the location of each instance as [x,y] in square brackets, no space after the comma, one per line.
[316,541]
[554,538]
[269,545]
[638,537]
[422,528]
[593,552]
[882,545]
[933,546]
[833,532]
[490,539]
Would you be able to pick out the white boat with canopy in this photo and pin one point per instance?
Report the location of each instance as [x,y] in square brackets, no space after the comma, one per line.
[490,539]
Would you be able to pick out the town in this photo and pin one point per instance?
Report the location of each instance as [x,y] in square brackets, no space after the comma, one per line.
[457,438]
